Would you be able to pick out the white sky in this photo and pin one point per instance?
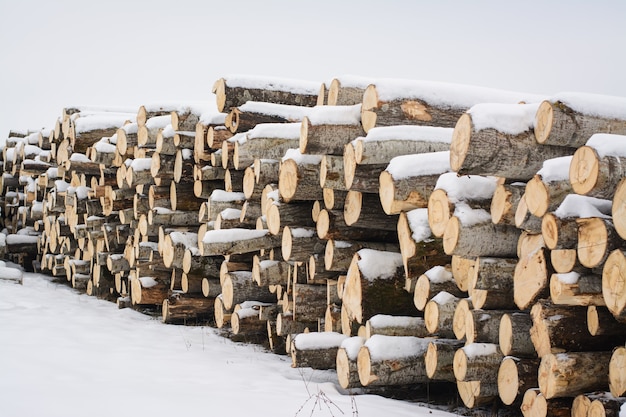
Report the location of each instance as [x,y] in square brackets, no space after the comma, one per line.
[56,53]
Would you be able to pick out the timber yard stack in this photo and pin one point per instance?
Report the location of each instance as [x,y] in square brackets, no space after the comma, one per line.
[400,232]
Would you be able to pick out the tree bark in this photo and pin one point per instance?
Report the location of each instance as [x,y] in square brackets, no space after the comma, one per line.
[439,359]
[573,373]
[299,181]
[558,124]
[324,138]
[439,315]
[405,194]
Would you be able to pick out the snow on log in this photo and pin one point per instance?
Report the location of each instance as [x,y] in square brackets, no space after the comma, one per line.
[392,360]
[408,180]
[432,282]
[497,139]
[317,350]
[298,177]
[390,102]
[328,129]
[235,90]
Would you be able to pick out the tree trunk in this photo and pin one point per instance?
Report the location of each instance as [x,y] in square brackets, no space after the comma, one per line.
[238,287]
[347,369]
[481,239]
[232,241]
[338,253]
[331,225]
[405,194]
[296,214]
[178,308]
[382,324]
[530,280]
[430,284]
[482,326]
[477,362]
[319,138]
[299,181]
[439,315]
[364,210]
[315,350]
[477,393]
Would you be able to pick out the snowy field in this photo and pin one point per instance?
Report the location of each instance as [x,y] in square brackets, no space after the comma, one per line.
[67,354]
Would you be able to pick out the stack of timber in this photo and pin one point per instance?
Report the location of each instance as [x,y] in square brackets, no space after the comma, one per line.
[405,233]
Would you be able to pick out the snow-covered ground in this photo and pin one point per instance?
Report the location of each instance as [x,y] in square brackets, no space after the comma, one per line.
[66,354]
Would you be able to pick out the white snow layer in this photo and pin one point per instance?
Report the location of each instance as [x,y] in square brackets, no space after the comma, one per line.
[335,115]
[292,113]
[231,235]
[448,94]
[407,166]
[466,187]
[438,274]
[352,345]
[102,121]
[395,347]
[385,320]
[580,206]
[418,223]
[555,169]
[608,144]
[470,216]
[275,130]
[273,83]
[593,104]
[301,158]
[507,118]
[376,264]
[443,297]
[417,133]
[319,340]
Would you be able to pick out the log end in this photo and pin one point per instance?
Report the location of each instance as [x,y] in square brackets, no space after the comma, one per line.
[508,381]
[451,235]
[460,141]
[618,209]
[537,196]
[370,102]
[219,89]
[543,121]
[584,170]
[439,212]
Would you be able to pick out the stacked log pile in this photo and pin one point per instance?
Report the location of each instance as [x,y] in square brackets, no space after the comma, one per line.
[400,232]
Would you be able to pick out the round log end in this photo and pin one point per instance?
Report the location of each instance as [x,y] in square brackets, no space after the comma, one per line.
[614,282]
[323,224]
[431,317]
[543,121]
[460,365]
[451,235]
[508,381]
[386,192]
[593,238]
[550,230]
[287,243]
[617,372]
[352,207]
[343,369]
[304,134]
[439,212]
[364,365]
[537,196]
[349,164]
[460,316]
[584,170]
[370,102]
[460,142]
[505,335]
[422,292]
[273,219]
[619,209]
[333,92]
[288,179]
[219,89]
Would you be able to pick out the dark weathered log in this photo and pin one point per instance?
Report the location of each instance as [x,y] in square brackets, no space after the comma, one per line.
[514,335]
[573,373]
[439,359]
[186,308]
[564,328]
[315,350]
[515,377]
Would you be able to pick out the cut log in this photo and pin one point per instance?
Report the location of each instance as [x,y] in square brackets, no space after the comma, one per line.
[237,90]
[452,190]
[148,291]
[331,225]
[347,369]
[179,308]
[483,238]
[309,302]
[546,190]
[286,325]
[504,203]
[515,377]
[617,372]
[597,238]
[613,288]
[514,335]
[232,241]
[564,260]
[387,325]
[576,289]
[392,360]
[365,210]
[296,214]
[439,314]
[563,120]
[597,174]
[534,404]
[477,362]
[560,328]
[338,253]
[409,180]
[600,321]
[482,146]
[606,407]
[238,287]
[477,393]
[328,129]
[525,220]
[270,272]
[439,359]
[298,177]
[401,102]
[482,326]
[431,283]
[619,209]
[300,243]
[559,233]
[532,273]
[347,90]
[272,140]
[374,285]
[316,350]
[252,113]
[573,373]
